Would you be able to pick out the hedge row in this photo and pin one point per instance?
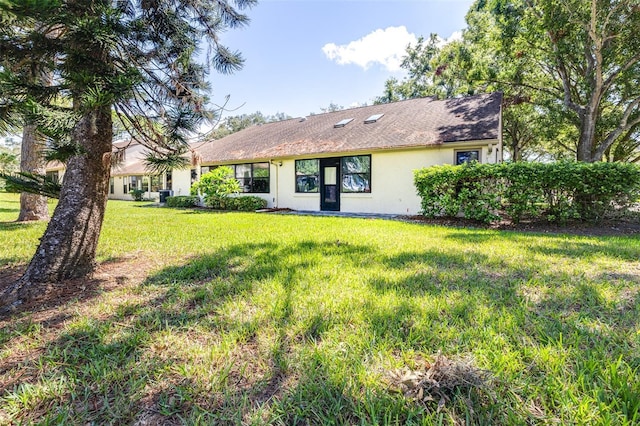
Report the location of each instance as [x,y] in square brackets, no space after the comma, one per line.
[245,203]
[555,191]
[182,201]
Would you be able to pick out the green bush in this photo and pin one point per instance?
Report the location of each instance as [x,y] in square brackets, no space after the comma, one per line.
[244,203]
[471,190]
[556,191]
[183,201]
[249,203]
[219,182]
[137,194]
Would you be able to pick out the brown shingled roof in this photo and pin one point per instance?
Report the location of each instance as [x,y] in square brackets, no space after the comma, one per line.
[410,123]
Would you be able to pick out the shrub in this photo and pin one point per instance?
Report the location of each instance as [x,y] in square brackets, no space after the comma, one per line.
[244,203]
[471,190]
[249,203]
[137,194]
[557,191]
[182,201]
[219,182]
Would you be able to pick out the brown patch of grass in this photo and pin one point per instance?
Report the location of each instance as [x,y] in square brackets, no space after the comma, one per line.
[438,381]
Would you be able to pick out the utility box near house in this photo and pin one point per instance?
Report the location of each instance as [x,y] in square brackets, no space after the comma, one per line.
[164,193]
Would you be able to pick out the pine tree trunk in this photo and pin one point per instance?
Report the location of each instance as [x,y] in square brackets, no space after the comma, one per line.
[32,206]
[68,247]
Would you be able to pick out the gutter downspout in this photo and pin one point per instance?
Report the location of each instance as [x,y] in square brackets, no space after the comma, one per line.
[277,189]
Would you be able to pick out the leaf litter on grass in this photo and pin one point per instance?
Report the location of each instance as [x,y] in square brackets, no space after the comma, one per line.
[438,381]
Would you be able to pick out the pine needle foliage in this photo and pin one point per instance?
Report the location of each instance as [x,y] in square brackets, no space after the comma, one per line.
[138,57]
[30,182]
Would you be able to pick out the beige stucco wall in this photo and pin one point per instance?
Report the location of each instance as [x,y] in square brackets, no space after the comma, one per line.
[181,181]
[392,189]
[180,186]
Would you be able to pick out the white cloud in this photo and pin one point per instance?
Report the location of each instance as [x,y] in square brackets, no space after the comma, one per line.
[455,36]
[385,47]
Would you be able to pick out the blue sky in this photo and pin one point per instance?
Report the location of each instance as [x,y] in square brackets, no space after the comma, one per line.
[302,55]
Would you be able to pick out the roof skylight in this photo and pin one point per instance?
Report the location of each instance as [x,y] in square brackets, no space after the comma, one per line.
[373,118]
[343,123]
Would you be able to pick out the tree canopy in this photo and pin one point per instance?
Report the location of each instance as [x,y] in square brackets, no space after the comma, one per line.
[569,70]
[140,62]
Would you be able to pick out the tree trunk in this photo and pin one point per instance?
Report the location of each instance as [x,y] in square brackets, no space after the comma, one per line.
[32,206]
[587,141]
[68,247]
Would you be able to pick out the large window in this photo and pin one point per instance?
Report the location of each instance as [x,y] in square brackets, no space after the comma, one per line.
[135,182]
[307,175]
[356,173]
[156,183]
[467,156]
[253,178]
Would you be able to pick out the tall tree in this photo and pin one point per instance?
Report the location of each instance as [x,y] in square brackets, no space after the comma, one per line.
[584,57]
[32,206]
[135,57]
[465,67]
[235,123]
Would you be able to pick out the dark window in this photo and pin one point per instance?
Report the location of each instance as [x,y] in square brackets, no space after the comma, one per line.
[194,176]
[253,178]
[169,181]
[467,156]
[156,183]
[112,186]
[135,182]
[307,175]
[356,173]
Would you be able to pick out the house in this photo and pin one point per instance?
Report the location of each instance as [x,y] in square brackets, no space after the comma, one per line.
[130,173]
[358,160]
[361,159]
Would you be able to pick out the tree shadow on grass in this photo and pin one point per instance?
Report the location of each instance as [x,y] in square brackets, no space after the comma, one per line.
[120,367]
[557,245]
[181,356]
[14,226]
[12,210]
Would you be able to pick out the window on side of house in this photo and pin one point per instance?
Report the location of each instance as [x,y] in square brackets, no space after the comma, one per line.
[463,157]
[134,182]
[169,177]
[260,178]
[253,177]
[307,175]
[356,174]
[112,186]
[243,175]
[156,183]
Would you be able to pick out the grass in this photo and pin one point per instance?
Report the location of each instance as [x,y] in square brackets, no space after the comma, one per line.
[242,318]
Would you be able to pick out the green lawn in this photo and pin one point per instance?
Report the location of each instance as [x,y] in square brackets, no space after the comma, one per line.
[285,320]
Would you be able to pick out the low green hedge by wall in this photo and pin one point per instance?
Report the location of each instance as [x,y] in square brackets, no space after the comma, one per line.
[246,203]
[182,201]
[556,191]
